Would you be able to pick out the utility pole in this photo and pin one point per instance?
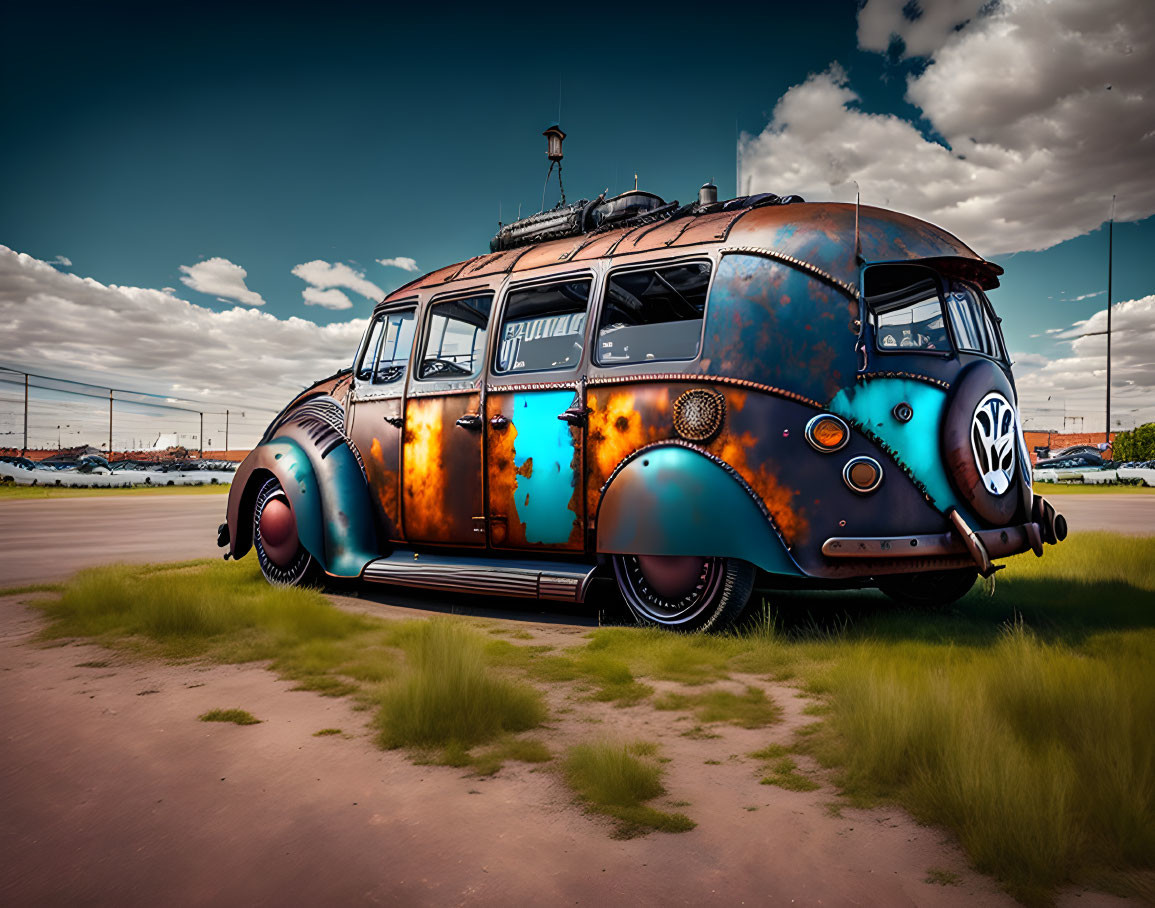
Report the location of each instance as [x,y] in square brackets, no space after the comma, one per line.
[25,449]
[1110,258]
[201,438]
[110,422]
[226,431]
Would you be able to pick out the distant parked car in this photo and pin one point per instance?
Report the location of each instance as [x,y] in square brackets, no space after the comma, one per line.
[1083,461]
[93,463]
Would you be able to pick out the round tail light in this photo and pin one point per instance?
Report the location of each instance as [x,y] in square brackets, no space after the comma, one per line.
[862,474]
[827,433]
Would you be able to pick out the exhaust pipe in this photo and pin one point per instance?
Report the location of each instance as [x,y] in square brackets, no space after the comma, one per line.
[1052,524]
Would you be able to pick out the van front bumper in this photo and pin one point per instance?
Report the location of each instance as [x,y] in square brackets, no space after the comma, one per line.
[961,547]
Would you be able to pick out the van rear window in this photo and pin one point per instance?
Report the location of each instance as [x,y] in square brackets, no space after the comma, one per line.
[653,315]
[906,306]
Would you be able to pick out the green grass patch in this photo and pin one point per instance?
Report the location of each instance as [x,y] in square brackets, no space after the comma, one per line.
[784,773]
[448,694]
[751,709]
[1047,489]
[9,492]
[487,761]
[31,588]
[617,780]
[236,716]
[939,877]
[326,732]
[211,608]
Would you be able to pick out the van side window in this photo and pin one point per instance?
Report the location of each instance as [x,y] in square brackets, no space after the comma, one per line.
[544,327]
[972,327]
[386,354]
[455,340]
[653,315]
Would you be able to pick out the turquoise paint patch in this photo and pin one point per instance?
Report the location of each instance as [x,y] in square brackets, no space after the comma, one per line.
[915,443]
[542,499]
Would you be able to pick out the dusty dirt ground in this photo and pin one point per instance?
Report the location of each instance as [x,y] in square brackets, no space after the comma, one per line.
[114,793]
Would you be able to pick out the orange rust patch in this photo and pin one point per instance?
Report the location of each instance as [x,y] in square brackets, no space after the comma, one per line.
[502,478]
[620,422]
[424,470]
[383,481]
[778,498]
[526,469]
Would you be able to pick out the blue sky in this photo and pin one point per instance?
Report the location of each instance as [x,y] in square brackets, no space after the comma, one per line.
[140,139]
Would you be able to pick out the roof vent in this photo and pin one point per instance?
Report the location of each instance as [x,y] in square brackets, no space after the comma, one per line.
[708,194]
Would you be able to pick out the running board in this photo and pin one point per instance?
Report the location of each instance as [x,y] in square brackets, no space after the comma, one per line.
[558,580]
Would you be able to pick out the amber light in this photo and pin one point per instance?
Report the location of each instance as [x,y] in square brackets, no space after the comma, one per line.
[827,433]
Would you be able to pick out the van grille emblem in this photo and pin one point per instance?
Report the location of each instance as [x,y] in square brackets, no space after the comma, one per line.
[994,430]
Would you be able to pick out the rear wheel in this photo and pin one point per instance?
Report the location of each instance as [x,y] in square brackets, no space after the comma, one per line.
[684,593]
[284,561]
[928,590]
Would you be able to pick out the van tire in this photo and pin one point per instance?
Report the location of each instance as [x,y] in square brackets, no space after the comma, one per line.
[299,569]
[713,601]
[930,590]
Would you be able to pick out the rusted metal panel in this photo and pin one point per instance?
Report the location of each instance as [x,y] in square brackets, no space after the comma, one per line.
[379,442]
[534,470]
[494,263]
[441,470]
[769,322]
[596,246]
[546,254]
[625,418]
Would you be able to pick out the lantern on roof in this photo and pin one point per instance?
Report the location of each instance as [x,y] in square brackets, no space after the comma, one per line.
[554,137]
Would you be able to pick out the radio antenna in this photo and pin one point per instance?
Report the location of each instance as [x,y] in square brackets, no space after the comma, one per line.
[857,237]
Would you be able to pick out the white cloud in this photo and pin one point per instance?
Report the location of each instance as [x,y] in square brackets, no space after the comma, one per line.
[922,28]
[1076,383]
[324,276]
[402,261]
[156,341]
[1036,142]
[330,299]
[220,278]
[61,260]
[1084,296]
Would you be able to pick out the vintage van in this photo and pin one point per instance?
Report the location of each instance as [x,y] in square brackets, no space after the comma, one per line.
[689,400]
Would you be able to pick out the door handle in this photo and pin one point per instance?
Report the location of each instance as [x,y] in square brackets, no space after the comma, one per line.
[499,421]
[470,421]
[396,421]
[575,415]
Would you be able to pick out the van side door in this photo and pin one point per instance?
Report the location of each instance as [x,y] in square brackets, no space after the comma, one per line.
[441,456]
[377,411]
[535,417]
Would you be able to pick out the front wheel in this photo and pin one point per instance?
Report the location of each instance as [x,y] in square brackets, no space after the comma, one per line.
[930,589]
[284,561]
[684,593]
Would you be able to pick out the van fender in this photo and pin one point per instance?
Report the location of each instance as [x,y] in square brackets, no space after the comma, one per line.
[671,498]
[329,497]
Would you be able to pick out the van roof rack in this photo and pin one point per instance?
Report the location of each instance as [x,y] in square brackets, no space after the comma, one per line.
[629,209]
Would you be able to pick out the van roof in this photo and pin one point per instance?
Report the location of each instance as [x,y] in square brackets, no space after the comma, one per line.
[821,234]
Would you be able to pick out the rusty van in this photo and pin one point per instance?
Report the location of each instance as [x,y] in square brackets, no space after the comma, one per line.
[688,400]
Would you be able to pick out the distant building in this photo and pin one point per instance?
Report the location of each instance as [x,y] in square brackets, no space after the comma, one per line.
[164,442]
